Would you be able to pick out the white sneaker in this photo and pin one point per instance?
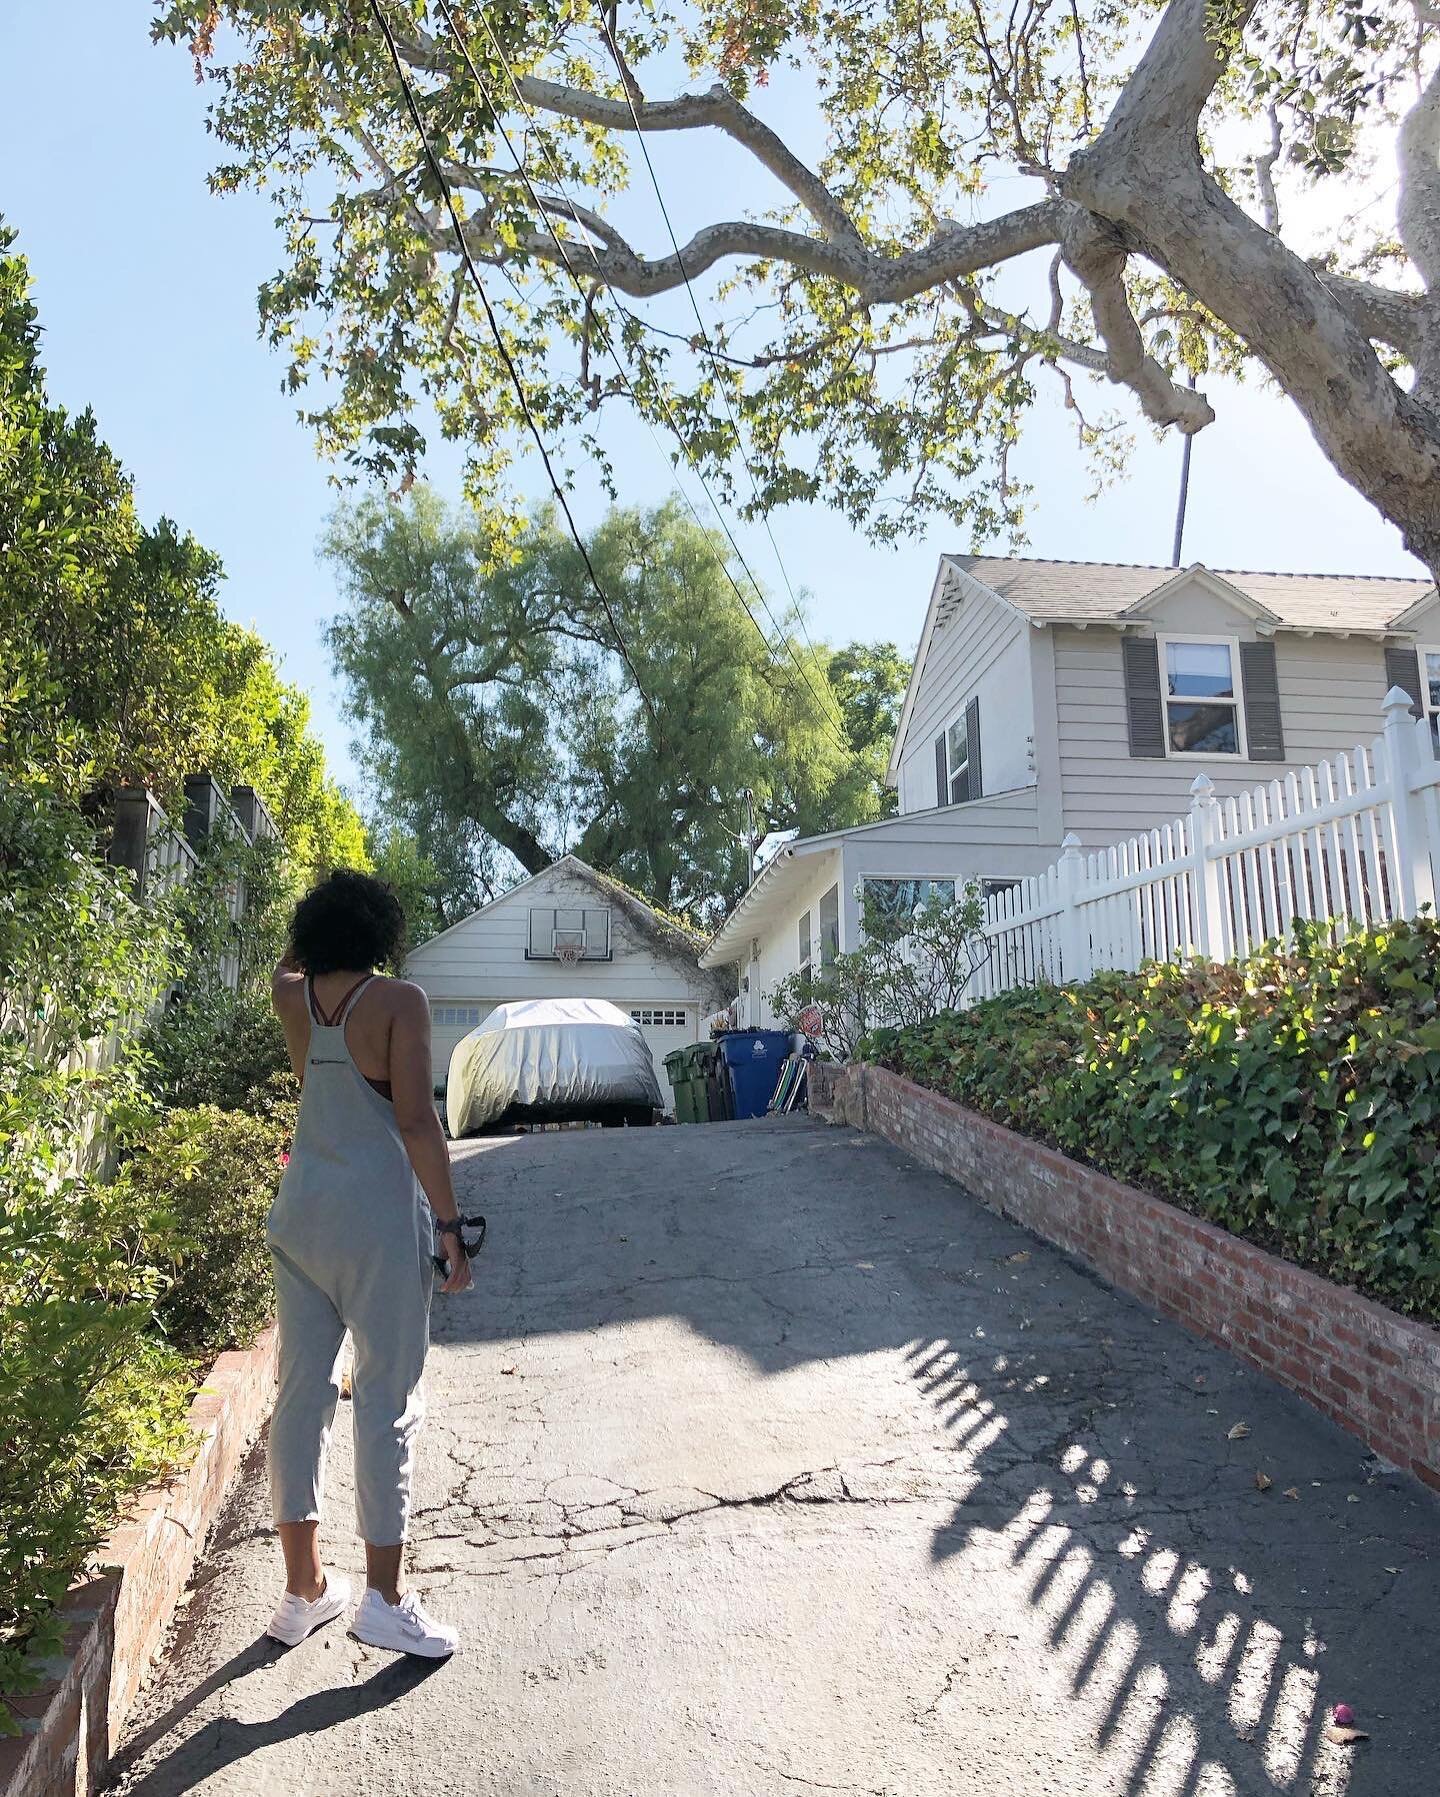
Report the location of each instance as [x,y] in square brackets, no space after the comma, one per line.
[404,1627]
[295,1619]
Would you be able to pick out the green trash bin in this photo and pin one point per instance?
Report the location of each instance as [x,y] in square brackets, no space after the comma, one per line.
[694,1075]
[688,1085]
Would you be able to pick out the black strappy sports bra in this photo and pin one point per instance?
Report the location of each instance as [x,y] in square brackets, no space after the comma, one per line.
[318,1015]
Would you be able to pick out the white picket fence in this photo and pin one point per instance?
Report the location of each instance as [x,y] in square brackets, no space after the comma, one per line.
[1351,842]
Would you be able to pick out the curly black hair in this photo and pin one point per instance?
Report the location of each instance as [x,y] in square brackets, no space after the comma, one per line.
[349,922]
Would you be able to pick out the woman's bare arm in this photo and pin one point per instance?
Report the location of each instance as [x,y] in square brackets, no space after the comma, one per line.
[415,1117]
[287,994]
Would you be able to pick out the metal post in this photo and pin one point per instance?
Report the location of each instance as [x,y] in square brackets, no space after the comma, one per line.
[1075,963]
[1205,871]
[1413,880]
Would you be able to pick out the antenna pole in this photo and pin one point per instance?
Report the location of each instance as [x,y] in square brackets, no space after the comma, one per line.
[1184,488]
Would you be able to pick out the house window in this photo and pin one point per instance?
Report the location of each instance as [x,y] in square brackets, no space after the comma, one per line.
[901,898]
[1201,688]
[455,1017]
[957,756]
[659,1020]
[805,943]
[1430,692]
[830,926]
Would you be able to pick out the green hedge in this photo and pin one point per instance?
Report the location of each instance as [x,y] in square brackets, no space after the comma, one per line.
[1293,1098]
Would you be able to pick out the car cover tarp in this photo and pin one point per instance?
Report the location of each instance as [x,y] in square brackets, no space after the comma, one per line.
[565,1053]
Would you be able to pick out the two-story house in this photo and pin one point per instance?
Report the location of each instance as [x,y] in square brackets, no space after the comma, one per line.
[1056,697]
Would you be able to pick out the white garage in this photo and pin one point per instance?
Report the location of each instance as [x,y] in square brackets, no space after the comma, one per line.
[568,932]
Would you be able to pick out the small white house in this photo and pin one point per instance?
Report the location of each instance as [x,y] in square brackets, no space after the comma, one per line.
[1050,698]
[568,932]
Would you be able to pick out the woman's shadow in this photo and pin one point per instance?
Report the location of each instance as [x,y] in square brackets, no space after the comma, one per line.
[224,1740]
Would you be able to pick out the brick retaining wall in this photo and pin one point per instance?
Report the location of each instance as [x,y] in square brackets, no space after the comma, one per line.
[115,1622]
[1372,1371]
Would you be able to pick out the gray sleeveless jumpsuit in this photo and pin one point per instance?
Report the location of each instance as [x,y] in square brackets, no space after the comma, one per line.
[351,1236]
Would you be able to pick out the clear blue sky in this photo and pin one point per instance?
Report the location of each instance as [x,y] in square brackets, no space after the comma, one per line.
[146,289]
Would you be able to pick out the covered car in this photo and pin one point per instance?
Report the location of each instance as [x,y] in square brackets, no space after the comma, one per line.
[552,1060]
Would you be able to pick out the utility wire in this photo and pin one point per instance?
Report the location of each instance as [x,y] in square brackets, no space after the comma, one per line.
[607,25]
[543,213]
[502,347]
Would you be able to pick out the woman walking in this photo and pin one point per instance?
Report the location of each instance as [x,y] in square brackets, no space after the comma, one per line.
[352,1238]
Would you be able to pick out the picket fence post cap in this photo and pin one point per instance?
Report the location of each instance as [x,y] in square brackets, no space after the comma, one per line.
[1202,786]
[1071,843]
[1397,699]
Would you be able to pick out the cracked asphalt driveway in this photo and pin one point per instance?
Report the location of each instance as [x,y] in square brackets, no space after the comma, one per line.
[762,1460]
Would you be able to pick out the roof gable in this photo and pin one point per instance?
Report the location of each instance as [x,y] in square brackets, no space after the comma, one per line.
[666,932]
[1196,575]
[953,585]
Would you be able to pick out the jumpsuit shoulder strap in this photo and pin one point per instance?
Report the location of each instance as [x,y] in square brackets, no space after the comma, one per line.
[347,1004]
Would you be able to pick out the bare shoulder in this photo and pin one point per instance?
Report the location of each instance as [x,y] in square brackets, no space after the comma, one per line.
[287,988]
[406,999]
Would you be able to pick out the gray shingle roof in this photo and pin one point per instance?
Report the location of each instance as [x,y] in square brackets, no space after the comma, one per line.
[1050,589]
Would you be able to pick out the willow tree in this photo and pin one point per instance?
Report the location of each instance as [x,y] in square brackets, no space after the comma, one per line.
[973,195]
[496,714]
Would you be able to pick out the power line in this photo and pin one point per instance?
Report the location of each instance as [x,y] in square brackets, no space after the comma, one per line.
[501,346]
[543,213]
[607,25]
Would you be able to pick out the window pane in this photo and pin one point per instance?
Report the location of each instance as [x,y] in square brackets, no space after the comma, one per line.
[955,746]
[1199,671]
[899,898]
[1432,681]
[830,924]
[1203,729]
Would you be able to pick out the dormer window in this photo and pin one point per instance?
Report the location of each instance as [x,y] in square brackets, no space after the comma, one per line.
[1202,696]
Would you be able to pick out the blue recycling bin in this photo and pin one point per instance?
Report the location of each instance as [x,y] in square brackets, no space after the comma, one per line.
[752,1062]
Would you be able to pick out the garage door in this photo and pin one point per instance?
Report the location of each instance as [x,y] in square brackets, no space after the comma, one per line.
[665,1028]
[450,1024]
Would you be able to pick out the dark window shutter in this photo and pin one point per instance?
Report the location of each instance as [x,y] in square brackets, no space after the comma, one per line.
[942,772]
[1146,713]
[972,749]
[1402,669]
[1264,736]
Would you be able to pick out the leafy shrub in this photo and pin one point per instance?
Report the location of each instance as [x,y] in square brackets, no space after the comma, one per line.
[1293,1098]
[203,1184]
[909,966]
[217,1048]
[91,1399]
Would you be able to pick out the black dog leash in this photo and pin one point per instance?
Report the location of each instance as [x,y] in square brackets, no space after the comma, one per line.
[469,1248]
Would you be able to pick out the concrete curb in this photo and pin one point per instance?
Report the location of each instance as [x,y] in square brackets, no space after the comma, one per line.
[1369,1369]
[115,1620]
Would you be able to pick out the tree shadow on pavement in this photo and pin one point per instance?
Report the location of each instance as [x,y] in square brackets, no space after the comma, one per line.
[1187,1608]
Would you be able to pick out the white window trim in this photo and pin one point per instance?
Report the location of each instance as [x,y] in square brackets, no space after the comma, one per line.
[1232,643]
[808,921]
[950,772]
[1423,651]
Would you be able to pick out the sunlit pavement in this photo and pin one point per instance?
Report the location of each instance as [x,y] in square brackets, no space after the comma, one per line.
[763,1461]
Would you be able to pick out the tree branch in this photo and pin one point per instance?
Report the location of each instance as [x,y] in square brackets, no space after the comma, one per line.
[1265,176]
[1096,255]
[689,112]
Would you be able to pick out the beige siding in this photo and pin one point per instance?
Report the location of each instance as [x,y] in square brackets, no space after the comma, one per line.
[1330,693]
[980,650]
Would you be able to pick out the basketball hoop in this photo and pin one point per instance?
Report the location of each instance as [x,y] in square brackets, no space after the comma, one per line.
[569,954]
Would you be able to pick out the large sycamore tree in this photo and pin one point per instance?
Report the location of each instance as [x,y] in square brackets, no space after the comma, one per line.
[948,200]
